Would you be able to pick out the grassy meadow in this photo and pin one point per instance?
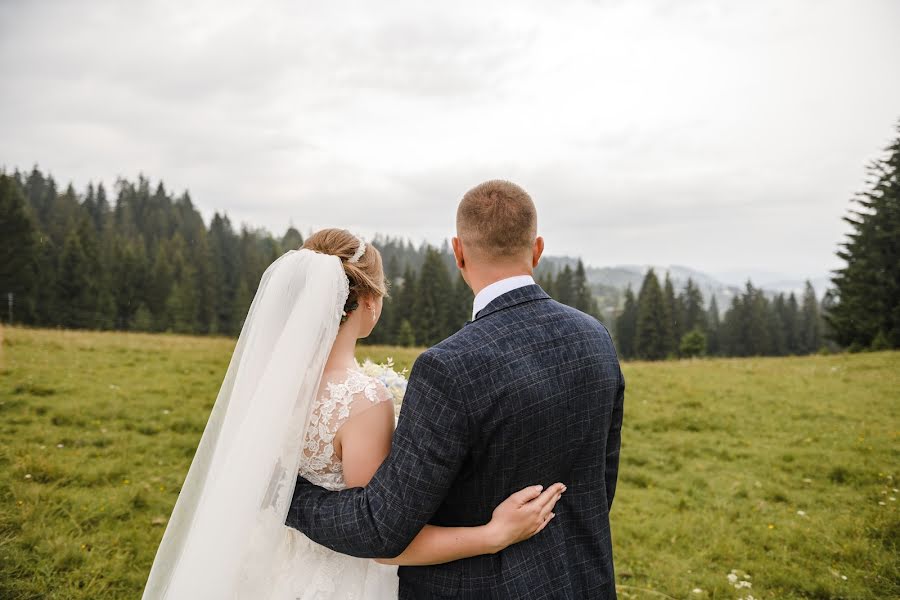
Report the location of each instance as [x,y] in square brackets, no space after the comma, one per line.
[774,478]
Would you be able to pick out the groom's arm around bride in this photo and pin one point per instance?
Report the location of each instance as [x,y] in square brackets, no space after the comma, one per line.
[529,392]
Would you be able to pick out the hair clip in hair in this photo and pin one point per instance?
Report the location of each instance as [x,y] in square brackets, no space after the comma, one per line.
[359,251]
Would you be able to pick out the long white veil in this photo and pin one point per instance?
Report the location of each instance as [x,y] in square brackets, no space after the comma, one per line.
[232,506]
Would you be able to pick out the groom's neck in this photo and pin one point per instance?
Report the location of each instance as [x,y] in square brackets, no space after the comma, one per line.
[479,281]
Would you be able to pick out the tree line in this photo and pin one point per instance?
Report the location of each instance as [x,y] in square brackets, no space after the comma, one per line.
[145,260]
[659,323]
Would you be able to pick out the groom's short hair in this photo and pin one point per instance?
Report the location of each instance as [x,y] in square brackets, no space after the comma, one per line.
[498,218]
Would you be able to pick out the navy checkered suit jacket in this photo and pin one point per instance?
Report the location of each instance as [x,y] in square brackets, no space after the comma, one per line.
[529,392]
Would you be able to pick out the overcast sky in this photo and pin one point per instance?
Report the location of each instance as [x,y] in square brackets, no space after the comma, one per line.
[720,135]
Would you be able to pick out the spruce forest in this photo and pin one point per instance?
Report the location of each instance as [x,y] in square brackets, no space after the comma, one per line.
[145,260]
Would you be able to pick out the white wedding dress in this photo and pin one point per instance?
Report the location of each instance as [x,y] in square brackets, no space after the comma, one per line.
[275,416]
[304,570]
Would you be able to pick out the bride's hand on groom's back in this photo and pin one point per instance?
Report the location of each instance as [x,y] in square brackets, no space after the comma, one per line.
[524,514]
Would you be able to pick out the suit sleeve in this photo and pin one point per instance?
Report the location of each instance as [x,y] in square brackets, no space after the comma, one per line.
[428,449]
[614,441]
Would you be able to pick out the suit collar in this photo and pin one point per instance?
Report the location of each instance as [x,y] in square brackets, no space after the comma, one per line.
[514,297]
[497,289]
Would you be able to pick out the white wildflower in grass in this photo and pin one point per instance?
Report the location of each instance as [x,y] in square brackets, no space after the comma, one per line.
[395,382]
[801,513]
[738,579]
[697,591]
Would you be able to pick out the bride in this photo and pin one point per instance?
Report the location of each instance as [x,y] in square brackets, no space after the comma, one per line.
[294,400]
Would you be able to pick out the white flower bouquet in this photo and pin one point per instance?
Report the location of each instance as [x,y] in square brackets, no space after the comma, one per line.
[395,382]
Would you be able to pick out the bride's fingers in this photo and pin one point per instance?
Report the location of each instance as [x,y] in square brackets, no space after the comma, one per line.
[543,524]
[547,509]
[523,497]
[548,497]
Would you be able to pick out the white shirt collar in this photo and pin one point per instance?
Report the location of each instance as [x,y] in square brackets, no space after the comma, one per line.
[497,289]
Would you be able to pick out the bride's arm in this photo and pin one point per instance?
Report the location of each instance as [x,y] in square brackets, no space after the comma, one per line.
[364,441]
[516,519]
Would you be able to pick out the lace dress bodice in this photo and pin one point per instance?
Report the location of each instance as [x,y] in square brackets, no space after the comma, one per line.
[339,399]
[298,568]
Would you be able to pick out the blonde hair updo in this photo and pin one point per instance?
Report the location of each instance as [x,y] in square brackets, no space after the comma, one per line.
[365,276]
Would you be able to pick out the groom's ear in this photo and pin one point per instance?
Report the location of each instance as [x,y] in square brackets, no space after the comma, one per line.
[458,253]
[537,251]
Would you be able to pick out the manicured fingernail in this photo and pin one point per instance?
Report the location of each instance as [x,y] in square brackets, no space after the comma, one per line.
[538,487]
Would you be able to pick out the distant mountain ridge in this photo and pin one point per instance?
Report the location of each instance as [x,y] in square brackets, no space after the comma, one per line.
[620,277]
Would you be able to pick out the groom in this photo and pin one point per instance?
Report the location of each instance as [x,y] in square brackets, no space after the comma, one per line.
[529,391]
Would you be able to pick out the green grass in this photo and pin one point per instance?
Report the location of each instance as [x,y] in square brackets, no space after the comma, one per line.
[97,431]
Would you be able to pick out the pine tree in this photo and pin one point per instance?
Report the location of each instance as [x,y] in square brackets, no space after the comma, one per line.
[41,195]
[75,284]
[46,303]
[102,214]
[205,282]
[691,306]
[383,331]
[868,286]
[673,312]
[564,286]
[777,337]
[583,297]
[291,240]
[746,326]
[18,245]
[713,328]
[225,275]
[544,277]
[732,330]
[460,309]
[242,299]
[128,278]
[97,206]
[181,304]
[626,326]
[791,321]
[654,331]
[810,321]
[431,315]
[159,288]
[405,303]
[392,268]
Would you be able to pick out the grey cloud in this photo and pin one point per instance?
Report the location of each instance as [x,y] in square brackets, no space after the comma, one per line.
[738,150]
